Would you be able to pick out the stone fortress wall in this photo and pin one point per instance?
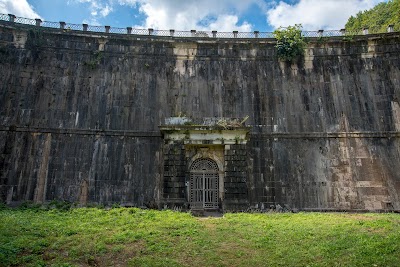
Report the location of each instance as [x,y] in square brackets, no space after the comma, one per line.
[83,119]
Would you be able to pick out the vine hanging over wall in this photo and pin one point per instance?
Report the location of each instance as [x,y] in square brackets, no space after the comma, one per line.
[289,42]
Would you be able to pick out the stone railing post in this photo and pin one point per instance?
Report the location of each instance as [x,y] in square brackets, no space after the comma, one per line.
[343,31]
[235,34]
[129,30]
[11,17]
[150,31]
[38,22]
[85,27]
[365,30]
[320,33]
[256,33]
[62,25]
[193,33]
[171,32]
[214,34]
[107,29]
[390,28]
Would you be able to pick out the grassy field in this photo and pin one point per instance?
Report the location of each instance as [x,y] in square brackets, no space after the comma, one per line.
[135,237]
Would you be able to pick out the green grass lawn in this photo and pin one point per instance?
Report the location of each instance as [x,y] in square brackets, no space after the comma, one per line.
[135,237]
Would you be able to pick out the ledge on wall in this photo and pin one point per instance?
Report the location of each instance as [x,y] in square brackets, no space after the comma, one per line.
[217,130]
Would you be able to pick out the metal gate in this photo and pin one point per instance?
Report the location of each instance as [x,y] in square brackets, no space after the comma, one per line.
[204,184]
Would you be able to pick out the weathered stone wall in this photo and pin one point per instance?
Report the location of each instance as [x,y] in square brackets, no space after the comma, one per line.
[175,173]
[236,175]
[79,116]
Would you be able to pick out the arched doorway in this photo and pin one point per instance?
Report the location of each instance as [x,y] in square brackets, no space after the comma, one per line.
[204,184]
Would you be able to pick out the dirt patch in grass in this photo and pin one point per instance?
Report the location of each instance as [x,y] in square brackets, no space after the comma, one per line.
[361,217]
[119,255]
[208,223]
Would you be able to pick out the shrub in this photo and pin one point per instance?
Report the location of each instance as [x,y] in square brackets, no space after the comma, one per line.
[289,43]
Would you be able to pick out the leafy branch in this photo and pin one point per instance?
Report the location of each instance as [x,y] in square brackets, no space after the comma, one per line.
[289,43]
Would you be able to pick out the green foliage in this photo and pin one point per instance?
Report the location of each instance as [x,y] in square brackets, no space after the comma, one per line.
[289,43]
[322,39]
[3,206]
[36,39]
[95,61]
[36,42]
[60,205]
[377,19]
[135,237]
[29,205]
[116,205]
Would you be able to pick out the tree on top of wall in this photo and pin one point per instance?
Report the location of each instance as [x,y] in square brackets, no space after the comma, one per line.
[289,42]
[377,18]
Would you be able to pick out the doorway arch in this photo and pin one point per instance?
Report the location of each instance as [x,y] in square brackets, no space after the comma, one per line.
[204,180]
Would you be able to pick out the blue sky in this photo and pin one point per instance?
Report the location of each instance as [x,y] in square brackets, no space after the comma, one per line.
[220,15]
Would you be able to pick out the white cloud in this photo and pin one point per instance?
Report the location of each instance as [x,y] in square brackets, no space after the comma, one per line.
[19,8]
[105,11]
[220,15]
[98,9]
[317,14]
[225,23]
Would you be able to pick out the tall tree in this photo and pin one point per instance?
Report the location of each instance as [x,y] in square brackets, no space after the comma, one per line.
[378,18]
